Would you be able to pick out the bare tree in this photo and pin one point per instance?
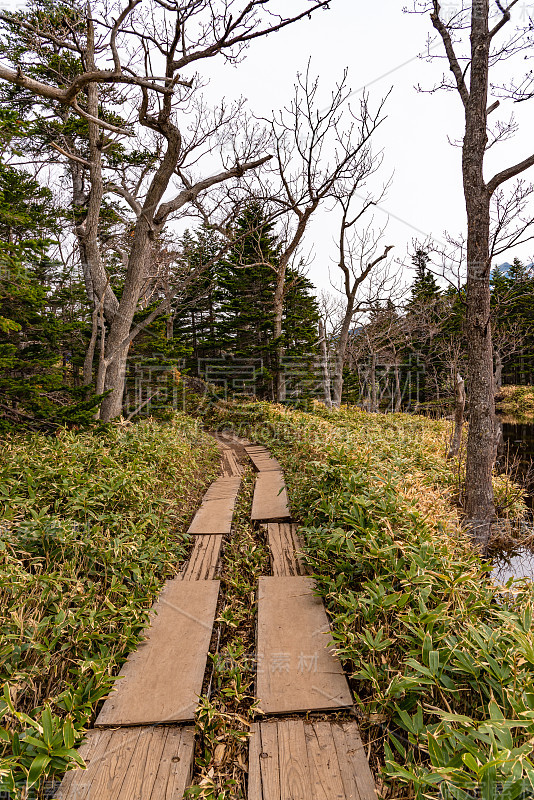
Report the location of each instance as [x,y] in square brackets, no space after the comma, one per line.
[174,34]
[470,63]
[320,152]
[363,286]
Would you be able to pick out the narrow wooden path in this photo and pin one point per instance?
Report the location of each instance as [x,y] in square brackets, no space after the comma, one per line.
[142,747]
[134,753]
[298,758]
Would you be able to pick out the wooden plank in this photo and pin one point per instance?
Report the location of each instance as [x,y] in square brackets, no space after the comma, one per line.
[162,679]
[270,501]
[77,782]
[254,791]
[105,774]
[324,770]
[356,773]
[202,564]
[262,459]
[297,670]
[284,545]
[213,516]
[224,488]
[133,764]
[229,462]
[217,509]
[294,772]
[315,759]
[175,767]
[264,765]
[144,765]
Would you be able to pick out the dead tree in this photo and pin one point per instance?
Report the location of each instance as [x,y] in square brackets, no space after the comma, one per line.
[472,48]
[175,34]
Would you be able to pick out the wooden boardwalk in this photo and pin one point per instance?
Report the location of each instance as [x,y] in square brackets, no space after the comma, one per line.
[132,755]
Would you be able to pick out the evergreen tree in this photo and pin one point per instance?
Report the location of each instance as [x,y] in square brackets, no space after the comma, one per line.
[424,288]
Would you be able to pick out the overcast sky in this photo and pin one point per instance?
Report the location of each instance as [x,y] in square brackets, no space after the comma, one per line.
[379,44]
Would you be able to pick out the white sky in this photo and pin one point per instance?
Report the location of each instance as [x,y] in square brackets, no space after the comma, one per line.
[379,44]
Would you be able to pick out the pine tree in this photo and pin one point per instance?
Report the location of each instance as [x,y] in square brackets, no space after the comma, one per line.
[424,288]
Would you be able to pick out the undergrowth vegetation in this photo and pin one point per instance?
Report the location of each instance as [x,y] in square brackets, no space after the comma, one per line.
[441,660]
[517,399]
[91,525]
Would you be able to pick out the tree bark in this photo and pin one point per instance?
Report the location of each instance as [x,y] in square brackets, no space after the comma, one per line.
[341,350]
[481,443]
[374,388]
[398,392]
[459,410]
[327,394]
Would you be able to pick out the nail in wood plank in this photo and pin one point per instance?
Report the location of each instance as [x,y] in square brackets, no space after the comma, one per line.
[297,670]
[270,501]
[162,679]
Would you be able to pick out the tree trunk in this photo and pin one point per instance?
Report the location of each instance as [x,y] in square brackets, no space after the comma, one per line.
[341,350]
[374,388]
[278,312]
[459,409]
[398,392]
[327,394]
[481,442]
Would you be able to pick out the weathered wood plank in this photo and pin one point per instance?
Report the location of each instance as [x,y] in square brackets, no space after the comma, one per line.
[77,782]
[202,564]
[175,767]
[213,517]
[262,458]
[108,769]
[141,773]
[297,671]
[264,764]
[294,770]
[224,488]
[162,679]
[229,462]
[330,763]
[324,770]
[217,509]
[284,546]
[270,501]
[352,758]
[132,764]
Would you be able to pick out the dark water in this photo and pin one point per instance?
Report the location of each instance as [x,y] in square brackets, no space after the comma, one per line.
[517,450]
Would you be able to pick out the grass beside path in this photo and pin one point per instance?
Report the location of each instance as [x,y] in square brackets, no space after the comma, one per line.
[91,525]
[441,661]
